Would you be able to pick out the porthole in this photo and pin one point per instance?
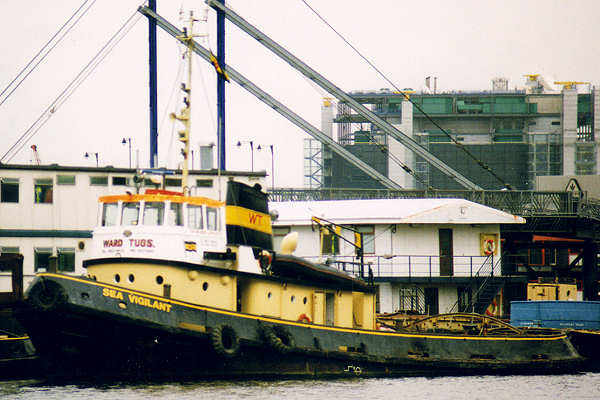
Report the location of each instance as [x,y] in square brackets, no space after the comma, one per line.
[304,300]
[131,278]
[269,295]
[159,279]
[205,286]
[117,278]
[292,298]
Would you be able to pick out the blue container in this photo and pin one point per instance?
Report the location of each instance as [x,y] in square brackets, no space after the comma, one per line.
[556,314]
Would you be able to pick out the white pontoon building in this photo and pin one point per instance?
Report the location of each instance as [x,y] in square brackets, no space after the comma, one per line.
[426,256]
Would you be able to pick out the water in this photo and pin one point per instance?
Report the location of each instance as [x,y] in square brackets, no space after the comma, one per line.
[576,387]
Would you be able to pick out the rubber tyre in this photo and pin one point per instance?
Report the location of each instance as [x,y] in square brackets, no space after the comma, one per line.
[46,295]
[279,339]
[225,341]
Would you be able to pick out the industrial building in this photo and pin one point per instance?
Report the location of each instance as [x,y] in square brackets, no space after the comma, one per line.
[540,130]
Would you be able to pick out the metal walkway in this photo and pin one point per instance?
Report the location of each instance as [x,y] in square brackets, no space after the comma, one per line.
[525,203]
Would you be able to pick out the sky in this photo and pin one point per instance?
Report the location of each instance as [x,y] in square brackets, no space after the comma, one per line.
[465,44]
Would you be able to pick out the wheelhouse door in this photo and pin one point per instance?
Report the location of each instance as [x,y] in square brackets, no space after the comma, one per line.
[446,252]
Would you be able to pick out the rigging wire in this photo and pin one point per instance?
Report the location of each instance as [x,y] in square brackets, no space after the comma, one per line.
[72,87]
[407,97]
[44,47]
[175,93]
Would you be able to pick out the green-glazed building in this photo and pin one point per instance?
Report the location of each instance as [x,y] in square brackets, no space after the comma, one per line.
[519,134]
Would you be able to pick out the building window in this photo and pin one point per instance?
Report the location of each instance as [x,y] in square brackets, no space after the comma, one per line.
[119,181]
[330,242]
[409,300]
[555,122]
[368,238]
[43,190]
[9,250]
[41,258]
[173,182]
[204,182]
[9,190]
[65,180]
[279,233]
[465,298]
[99,180]
[66,259]
[281,230]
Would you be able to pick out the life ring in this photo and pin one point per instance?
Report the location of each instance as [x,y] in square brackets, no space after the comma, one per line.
[279,339]
[46,295]
[494,308]
[225,341]
[489,247]
[265,260]
[304,318]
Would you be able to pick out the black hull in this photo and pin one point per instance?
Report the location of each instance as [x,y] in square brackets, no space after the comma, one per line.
[79,331]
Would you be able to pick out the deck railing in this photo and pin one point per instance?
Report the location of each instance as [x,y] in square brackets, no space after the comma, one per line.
[411,266]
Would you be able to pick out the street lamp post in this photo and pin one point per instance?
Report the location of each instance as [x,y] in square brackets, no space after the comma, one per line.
[272,164]
[87,155]
[124,141]
[239,144]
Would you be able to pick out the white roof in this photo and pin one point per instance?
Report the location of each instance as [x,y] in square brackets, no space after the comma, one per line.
[395,211]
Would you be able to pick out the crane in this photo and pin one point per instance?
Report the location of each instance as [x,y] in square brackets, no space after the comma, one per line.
[325,84]
[570,84]
[317,78]
[36,156]
[532,77]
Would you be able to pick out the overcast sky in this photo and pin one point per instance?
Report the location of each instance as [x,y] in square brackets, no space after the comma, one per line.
[464,43]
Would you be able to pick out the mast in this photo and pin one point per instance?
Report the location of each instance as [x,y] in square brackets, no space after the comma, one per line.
[221,88]
[152,68]
[185,115]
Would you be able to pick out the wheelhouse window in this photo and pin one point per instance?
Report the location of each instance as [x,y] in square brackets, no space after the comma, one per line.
[41,258]
[66,259]
[130,213]
[212,218]
[9,190]
[110,215]
[42,190]
[175,214]
[195,220]
[154,213]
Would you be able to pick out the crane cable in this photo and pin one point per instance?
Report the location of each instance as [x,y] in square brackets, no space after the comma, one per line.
[459,145]
[71,87]
[44,47]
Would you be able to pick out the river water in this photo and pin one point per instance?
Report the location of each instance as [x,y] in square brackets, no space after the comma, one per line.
[575,387]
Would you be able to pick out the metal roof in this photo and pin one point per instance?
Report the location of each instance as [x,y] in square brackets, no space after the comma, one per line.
[391,211]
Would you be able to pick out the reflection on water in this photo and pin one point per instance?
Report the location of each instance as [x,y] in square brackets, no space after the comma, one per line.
[581,386]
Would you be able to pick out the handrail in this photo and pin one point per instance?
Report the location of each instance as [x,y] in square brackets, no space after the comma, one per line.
[483,284]
[519,202]
[409,266]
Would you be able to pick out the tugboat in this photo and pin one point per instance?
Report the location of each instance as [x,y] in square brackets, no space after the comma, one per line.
[189,286]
